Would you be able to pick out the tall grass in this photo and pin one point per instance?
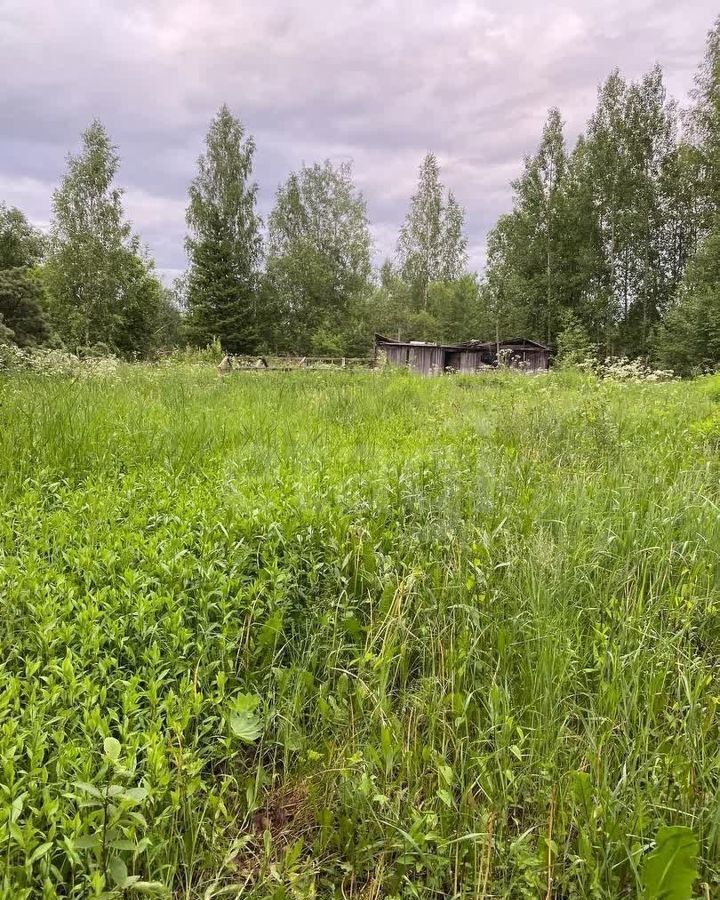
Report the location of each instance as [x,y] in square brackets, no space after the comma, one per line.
[357,636]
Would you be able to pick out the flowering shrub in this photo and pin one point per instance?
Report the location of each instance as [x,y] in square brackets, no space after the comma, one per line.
[620,368]
[54,363]
[504,356]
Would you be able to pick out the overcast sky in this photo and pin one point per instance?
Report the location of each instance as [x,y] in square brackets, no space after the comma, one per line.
[376,81]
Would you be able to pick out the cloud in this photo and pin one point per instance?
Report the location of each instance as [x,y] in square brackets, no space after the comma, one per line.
[380,82]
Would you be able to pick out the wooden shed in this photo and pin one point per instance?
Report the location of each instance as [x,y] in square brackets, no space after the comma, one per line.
[467,358]
[422,356]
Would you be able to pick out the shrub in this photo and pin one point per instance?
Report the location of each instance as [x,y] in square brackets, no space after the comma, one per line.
[620,368]
[52,363]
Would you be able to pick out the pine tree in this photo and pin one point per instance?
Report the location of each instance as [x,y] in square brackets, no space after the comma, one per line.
[224,245]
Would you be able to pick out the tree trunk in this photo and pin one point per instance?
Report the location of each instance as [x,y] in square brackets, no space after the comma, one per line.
[549,288]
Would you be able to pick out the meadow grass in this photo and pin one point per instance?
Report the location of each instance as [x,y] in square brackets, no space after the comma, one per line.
[355,636]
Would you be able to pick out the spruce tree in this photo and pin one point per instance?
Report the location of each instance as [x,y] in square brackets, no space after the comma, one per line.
[224,245]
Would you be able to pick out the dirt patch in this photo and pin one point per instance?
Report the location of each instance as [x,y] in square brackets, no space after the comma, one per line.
[287,814]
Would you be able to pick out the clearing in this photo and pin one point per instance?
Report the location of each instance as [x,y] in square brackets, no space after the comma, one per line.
[349,635]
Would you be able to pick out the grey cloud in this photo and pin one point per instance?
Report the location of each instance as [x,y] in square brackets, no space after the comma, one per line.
[380,82]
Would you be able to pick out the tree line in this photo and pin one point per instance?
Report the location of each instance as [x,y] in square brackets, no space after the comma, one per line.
[611,247]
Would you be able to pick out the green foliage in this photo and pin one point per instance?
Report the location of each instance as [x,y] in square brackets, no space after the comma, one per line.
[457,307]
[168,324]
[390,310]
[631,137]
[224,244]
[671,869]
[611,235]
[574,343]
[688,340]
[286,634]
[20,244]
[6,335]
[243,721]
[602,233]
[318,258]
[529,249]
[23,306]
[101,284]
[432,245]
[113,825]
[150,318]
[705,122]
[456,310]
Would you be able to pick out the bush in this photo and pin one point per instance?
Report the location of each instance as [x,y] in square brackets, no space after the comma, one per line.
[574,344]
[56,363]
[22,307]
[620,368]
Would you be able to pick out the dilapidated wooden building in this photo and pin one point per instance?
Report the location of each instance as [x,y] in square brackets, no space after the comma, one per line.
[467,358]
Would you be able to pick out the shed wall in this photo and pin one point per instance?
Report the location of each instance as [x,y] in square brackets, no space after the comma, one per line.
[431,360]
[396,354]
[472,360]
[534,359]
[426,360]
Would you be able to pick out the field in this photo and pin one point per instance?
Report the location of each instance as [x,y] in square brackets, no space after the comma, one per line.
[355,636]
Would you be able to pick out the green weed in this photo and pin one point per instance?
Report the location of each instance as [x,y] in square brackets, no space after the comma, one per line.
[347,635]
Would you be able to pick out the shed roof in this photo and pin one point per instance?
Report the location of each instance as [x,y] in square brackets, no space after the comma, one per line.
[487,345]
[524,340]
[465,345]
[379,339]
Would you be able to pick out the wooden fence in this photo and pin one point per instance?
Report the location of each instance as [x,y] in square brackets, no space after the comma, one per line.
[293,363]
